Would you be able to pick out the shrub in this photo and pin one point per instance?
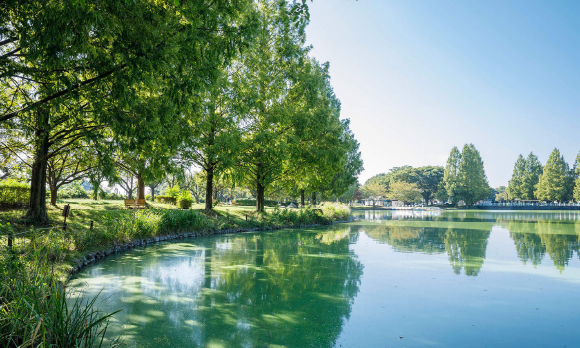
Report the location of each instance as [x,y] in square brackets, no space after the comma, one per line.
[110,195]
[335,211]
[14,192]
[173,191]
[73,190]
[184,203]
[165,199]
[252,203]
[185,200]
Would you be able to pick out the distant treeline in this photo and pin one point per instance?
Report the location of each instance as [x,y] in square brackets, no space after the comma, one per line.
[464,179]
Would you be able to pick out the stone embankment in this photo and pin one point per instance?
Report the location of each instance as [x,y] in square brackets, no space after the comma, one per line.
[92,257]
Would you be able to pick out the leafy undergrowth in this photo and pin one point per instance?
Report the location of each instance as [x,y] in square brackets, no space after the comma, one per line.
[35,310]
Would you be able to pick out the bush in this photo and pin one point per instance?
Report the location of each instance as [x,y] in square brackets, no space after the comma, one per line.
[110,195]
[252,203]
[173,191]
[185,200]
[184,203]
[72,190]
[335,211]
[166,199]
[14,192]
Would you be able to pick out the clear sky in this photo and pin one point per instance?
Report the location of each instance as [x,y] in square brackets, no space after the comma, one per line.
[419,77]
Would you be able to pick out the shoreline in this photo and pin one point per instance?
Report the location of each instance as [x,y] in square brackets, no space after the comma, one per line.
[90,258]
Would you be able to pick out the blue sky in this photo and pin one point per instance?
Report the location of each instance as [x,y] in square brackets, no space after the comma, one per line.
[419,77]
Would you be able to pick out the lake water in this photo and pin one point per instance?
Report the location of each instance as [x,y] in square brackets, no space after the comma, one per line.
[388,279]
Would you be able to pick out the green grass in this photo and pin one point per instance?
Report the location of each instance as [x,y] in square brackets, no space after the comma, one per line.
[113,224]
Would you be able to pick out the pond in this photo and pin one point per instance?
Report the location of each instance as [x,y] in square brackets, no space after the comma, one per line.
[387,279]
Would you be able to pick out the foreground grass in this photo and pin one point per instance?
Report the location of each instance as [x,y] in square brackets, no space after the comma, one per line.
[34,310]
[113,224]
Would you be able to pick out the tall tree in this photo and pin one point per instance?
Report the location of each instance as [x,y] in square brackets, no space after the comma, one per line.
[533,170]
[516,184]
[281,87]
[471,178]
[576,193]
[216,131]
[451,173]
[428,179]
[552,184]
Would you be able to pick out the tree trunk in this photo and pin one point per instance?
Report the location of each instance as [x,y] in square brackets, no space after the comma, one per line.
[37,205]
[260,197]
[140,187]
[209,190]
[152,188]
[259,190]
[53,195]
[302,197]
[313,198]
[130,188]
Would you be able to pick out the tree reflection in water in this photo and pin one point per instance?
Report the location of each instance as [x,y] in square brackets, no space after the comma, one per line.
[535,234]
[287,288]
[465,248]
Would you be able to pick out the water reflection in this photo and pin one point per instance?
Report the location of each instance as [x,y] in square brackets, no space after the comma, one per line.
[465,248]
[464,235]
[285,288]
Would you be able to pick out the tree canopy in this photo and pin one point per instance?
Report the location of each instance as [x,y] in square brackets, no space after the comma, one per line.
[552,184]
[226,86]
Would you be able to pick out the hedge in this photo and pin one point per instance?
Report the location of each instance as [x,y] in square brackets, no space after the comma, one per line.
[267,203]
[165,199]
[14,192]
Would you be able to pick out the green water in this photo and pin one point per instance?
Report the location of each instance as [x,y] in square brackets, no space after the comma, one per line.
[388,279]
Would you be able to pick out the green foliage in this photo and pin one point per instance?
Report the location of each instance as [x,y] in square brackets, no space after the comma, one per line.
[373,190]
[110,195]
[525,177]
[576,193]
[404,192]
[36,312]
[173,191]
[165,199]
[185,200]
[531,177]
[515,186]
[553,183]
[73,190]
[500,194]
[335,211]
[252,202]
[428,179]
[471,178]
[14,192]
[451,175]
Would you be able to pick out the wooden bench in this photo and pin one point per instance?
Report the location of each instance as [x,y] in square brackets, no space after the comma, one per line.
[135,203]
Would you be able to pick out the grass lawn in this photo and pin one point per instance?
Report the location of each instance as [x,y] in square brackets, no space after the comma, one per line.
[83,211]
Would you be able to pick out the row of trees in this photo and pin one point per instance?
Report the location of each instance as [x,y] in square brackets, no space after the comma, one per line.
[132,91]
[462,179]
[555,181]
